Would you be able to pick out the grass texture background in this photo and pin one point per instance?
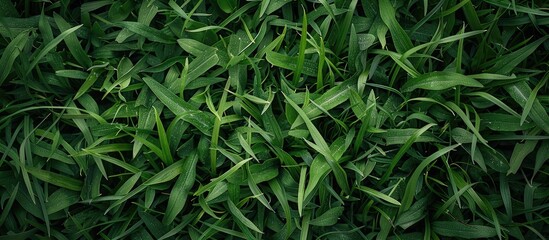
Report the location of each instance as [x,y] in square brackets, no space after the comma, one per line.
[274,119]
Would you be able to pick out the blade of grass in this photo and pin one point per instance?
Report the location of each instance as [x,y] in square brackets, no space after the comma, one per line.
[10,54]
[37,56]
[409,193]
[180,191]
[321,146]
[302,46]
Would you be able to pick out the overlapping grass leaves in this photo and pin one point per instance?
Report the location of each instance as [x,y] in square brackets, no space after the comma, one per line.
[274,119]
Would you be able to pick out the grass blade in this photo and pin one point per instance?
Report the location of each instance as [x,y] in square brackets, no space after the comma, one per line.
[439,81]
[180,191]
[321,146]
[50,46]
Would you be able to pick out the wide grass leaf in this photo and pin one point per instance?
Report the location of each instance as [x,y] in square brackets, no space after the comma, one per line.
[328,218]
[56,178]
[462,230]
[520,152]
[505,64]
[327,101]
[10,54]
[179,107]
[400,37]
[180,190]
[520,92]
[414,214]
[439,81]
[284,61]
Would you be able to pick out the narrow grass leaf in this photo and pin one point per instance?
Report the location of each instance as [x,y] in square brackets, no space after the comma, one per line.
[302,46]
[221,177]
[409,193]
[301,191]
[49,46]
[7,206]
[90,81]
[167,173]
[257,191]
[466,120]
[322,147]
[150,33]
[541,156]
[518,8]
[494,100]
[379,195]
[72,43]
[531,99]
[520,92]
[235,211]
[327,101]
[163,138]
[163,176]
[411,140]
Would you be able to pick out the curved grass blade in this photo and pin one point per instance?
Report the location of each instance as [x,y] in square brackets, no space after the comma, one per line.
[180,191]
[530,102]
[163,176]
[322,147]
[49,46]
[409,193]
[400,38]
[520,92]
[163,138]
[235,211]
[402,151]
[178,106]
[222,177]
[72,43]
[10,53]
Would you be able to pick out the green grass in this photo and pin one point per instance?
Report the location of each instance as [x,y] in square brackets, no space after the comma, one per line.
[274,119]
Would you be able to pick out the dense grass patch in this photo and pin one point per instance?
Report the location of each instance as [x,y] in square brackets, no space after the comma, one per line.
[274,119]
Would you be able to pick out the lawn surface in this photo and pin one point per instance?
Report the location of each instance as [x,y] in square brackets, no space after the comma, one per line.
[274,119]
